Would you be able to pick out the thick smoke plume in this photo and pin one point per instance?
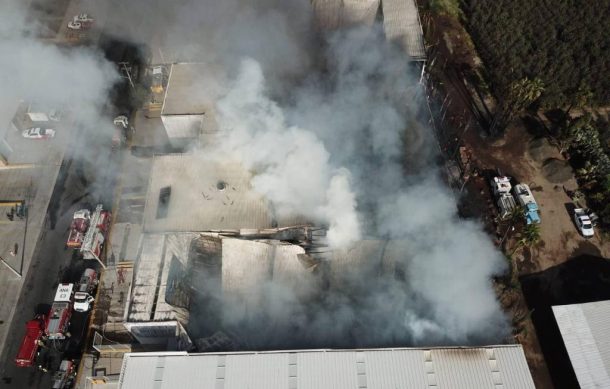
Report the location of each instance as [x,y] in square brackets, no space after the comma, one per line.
[347,165]
[73,81]
[332,124]
[47,75]
[291,164]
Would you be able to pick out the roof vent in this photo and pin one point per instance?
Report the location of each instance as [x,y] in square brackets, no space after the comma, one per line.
[221,185]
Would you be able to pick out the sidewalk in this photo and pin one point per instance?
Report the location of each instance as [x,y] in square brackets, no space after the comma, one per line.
[43,181]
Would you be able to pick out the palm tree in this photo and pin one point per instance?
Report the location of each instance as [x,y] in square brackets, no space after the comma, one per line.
[530,236]
[519,96]
[514,217]
[581,98]
[516,214]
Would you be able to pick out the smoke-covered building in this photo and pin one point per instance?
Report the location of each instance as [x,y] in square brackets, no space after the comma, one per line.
[176,272]
[402,26]
[333,14]
[157,308]
[400,19]
[207,236]
[189,193]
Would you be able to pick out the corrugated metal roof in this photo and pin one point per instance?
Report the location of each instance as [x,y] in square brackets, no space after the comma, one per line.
[150,286]
[585,330]
[482,367]
[149,266]
[401,24]
[332,14]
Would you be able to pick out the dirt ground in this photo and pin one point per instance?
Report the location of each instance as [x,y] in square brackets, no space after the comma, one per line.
[515,155]
[560,239]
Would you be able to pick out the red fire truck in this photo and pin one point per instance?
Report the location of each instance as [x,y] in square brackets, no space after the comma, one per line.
[59,316]
[53,326]
[34,330]
[94,239]
[78,228]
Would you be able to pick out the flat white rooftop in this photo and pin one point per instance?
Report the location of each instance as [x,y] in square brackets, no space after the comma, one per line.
[186,90]
[205,196]
[585,329]
[491,367]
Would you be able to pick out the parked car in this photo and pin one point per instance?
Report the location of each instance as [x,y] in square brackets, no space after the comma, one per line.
[64,377]
[583,223]
[38,133]
[524,196]
[72,25]
[88,281]
[121,121]
[80,22]
[83,18]
[82,301]
[86,286]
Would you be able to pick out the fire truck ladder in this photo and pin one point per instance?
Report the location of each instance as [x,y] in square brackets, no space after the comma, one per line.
[91,234]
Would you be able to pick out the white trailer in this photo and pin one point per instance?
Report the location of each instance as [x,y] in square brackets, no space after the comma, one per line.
[502,192]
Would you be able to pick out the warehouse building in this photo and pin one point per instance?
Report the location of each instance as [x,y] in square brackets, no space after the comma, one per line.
[586,335]
[400,20]
[333,14]
[157,308]
[483,367]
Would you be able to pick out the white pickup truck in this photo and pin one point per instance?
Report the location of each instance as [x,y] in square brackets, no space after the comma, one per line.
[583,223]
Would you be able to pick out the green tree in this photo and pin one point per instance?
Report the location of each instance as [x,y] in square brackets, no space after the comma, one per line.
[530,236]
[580,99]
[520,95]
[446,7]
[515,216]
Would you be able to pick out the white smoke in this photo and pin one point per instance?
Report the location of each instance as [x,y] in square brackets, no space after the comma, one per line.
[291,164]
[47,74]
[354,152]
[341,211]
[337,132]
[74,81]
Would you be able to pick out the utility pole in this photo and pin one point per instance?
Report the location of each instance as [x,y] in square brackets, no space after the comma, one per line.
[127,72]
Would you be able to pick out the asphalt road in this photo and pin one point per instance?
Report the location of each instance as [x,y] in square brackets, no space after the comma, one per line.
[81,183]
[52,264]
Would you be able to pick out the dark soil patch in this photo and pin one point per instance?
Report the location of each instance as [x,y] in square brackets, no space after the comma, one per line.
[557,171]
[540,149]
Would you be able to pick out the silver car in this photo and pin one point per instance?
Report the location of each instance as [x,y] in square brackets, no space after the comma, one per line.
[38,133]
